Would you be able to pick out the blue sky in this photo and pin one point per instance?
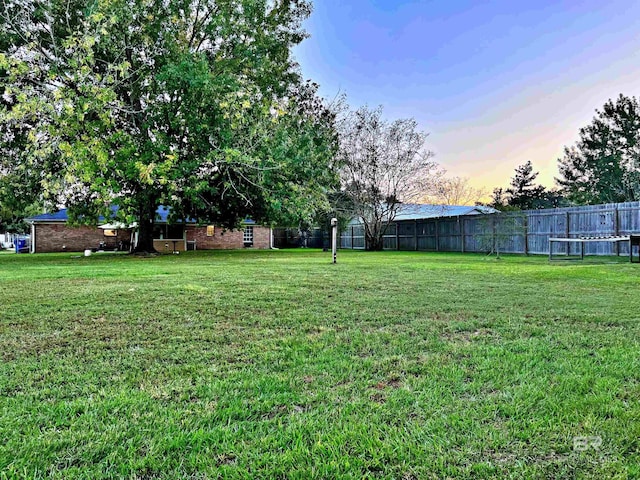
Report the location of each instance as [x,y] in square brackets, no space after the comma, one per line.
[495,83]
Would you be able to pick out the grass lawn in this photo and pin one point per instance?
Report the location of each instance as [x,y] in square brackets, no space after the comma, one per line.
[281,365]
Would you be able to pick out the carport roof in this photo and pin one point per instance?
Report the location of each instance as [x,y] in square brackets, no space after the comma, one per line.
[412,211]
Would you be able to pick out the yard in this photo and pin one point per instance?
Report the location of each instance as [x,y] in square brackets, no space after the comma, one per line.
[280,365]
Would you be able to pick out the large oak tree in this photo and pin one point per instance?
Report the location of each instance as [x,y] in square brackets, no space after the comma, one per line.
[194,104]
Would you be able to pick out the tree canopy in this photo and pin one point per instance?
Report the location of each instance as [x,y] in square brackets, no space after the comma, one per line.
[524,194]
[454,190]
[604,165]
[385,164]
[194,104]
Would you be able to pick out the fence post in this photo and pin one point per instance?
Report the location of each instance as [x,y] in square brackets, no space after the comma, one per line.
[494,246]
[526,234]
[397,236]
[461,220]
[352,245]
[415,235]
[437,237]
[568,232]
[616,229]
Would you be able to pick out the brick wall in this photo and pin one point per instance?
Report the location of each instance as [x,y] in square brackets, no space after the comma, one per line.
[228,239]
[59,237]
[167,246]
[52,237]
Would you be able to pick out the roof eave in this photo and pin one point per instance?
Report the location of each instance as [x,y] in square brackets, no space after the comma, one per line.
[37,220]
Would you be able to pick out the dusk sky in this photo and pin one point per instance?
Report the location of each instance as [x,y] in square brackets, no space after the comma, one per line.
[494,83]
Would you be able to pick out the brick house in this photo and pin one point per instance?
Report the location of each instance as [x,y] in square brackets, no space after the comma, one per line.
[50,232]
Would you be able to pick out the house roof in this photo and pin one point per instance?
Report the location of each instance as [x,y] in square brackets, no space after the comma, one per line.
[412,211]
[415,211]
[61,216]
[162,215]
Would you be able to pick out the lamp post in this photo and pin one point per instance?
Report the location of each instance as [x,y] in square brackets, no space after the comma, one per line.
[334,238]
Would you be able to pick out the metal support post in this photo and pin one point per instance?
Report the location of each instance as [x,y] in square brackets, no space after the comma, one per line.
[334,239]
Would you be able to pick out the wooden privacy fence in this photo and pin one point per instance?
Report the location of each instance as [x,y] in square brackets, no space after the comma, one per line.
[512,232]
[352,237]
[293,237]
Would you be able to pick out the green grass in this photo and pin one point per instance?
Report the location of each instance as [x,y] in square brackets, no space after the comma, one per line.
[282,365]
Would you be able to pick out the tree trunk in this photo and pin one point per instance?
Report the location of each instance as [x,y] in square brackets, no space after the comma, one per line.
[374,243]
[373,234]
[147,217]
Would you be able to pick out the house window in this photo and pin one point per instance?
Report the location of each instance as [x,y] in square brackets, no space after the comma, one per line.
[248,236]
[211,230]
[110,233]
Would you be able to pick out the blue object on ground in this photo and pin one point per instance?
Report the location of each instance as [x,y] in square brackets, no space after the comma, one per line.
[22,245]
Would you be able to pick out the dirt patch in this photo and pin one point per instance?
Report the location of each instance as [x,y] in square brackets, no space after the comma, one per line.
[393,382]
[280,410]
[225,459]
[378,397]
[466,337]
[79,334]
